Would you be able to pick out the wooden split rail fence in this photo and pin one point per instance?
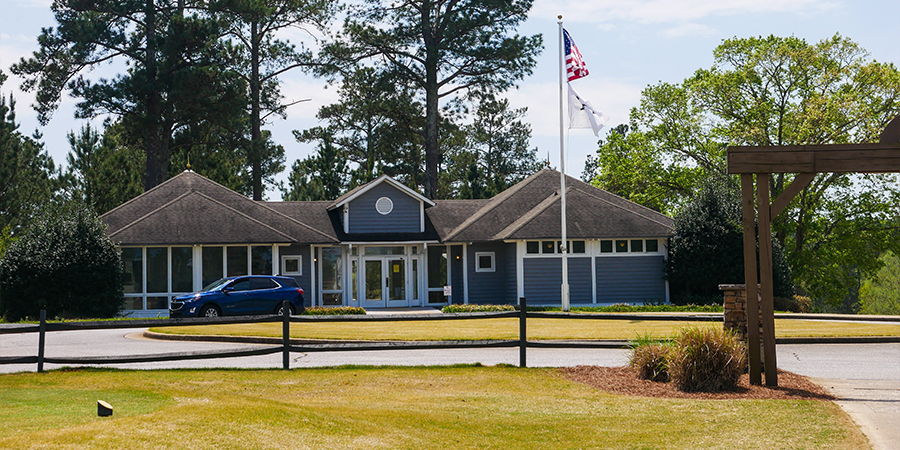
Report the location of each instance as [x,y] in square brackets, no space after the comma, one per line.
[286,347]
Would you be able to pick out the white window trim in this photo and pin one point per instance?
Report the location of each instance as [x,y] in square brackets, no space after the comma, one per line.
[299,259]
[492,268]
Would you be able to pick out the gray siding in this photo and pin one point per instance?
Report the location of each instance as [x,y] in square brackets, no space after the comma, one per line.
[489,287]
[630,279]
[303,280]
[404,218]
[543,280]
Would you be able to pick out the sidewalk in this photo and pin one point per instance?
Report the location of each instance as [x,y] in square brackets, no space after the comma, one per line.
[873,404]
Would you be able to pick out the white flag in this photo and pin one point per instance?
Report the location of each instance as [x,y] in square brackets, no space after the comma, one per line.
[583,115]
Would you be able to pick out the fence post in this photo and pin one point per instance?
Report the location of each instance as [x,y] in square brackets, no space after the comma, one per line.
[42,331]
[286,334]
[523,310]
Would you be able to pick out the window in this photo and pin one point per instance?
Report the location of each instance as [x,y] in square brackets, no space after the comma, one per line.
[157,269]
[212,264]
[261,260]
[182,269]
[532,247]
[258,284]
[578,247]
[332,276]
[637,245]
[237,261]
[606,246]
[241,285]
[622,246]
[132,262]
[290,265]
[384,206]
[548,247]
[484,261]
[377,251]
[652,246]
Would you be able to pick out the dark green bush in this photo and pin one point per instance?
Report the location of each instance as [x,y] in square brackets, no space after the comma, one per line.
[707,360]
[63,263]
[477,308]
[650,359]
[707,249]
[334,311]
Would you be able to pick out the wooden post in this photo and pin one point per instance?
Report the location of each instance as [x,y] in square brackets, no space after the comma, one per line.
[752,312]
[42,330]
[286,334]
[523,312]
[766,280]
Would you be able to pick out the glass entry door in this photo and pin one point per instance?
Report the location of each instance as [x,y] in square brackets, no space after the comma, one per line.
[385,282]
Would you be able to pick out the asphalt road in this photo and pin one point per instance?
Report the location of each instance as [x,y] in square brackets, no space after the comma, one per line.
[833,361]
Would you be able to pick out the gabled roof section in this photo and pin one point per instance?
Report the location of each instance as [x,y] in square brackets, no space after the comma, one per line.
[362,189]
[531,210]
[195,210]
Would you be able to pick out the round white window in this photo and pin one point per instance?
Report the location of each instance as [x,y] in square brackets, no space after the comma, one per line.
[384,206]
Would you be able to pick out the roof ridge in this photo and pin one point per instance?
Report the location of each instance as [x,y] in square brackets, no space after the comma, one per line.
[528,216]
[194,191]
[493,203]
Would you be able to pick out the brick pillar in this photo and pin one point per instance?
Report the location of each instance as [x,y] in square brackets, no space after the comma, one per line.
[735,315]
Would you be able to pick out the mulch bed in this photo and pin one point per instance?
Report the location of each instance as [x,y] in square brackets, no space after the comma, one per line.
[624,381]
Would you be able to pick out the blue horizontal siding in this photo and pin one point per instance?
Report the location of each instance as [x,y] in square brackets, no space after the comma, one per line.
[630,279]
[404,218]
[543,280]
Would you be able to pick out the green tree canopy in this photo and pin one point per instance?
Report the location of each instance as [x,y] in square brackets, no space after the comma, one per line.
[63,263]
[773,91]
[442,47]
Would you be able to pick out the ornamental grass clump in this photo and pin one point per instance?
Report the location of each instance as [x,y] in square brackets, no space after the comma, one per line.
[706,360]
[649,359]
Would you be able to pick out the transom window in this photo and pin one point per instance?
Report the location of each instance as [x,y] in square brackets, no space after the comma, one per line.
[629,246]
[552,247]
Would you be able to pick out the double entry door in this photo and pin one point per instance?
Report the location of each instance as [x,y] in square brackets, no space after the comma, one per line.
[384,282]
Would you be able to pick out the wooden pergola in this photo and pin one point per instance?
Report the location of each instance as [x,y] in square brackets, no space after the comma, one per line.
[806,161]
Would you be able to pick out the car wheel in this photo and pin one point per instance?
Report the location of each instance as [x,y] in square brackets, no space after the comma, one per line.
[279,310]
[209,311]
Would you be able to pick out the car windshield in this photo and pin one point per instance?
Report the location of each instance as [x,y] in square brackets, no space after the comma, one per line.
[216,284]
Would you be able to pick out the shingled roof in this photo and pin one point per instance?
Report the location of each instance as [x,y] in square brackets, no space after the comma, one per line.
[191,209]
[531,210]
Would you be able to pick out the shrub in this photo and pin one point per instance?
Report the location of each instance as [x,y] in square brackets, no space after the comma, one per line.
[63,263]
[708,360]
[334,311]
[477,308]
[649,359]
[707,249]
[794,304]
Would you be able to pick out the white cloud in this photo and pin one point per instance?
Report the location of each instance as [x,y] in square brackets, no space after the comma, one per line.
[666,11]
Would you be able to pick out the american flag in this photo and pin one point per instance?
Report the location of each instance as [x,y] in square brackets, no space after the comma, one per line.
[575,67]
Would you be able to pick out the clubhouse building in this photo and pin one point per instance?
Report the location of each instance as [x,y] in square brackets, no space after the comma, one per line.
[385,245]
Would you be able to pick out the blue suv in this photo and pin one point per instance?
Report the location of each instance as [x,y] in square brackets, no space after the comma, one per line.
[240,296]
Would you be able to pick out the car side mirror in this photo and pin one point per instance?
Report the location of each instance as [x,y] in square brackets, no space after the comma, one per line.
[228,289]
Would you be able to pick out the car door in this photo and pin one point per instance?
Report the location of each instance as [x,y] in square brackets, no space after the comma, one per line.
[265,295]
[238,298]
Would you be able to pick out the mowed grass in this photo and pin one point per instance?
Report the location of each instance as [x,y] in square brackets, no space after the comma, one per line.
[508,328]
[390,408]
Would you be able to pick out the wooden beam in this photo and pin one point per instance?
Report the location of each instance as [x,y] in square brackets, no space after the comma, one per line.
[841,158]
[752,304]
[801,181]
[766,279]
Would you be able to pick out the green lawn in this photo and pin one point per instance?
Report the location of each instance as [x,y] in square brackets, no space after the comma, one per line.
[407,408]
[508,328]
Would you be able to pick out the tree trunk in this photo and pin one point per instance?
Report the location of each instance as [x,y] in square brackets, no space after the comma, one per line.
[255,133]
[156,167]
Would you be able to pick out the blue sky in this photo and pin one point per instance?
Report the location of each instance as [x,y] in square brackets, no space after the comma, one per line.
[627,45]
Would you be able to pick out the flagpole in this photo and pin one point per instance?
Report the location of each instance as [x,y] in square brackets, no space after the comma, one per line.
[563,248]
